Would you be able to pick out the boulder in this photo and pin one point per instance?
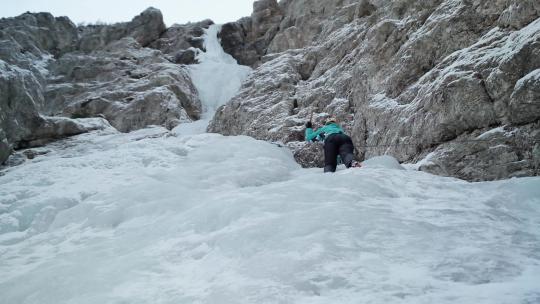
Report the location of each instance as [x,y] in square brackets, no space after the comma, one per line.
[147,27]
[186,57]
[235,41]
[182,39]
[54,128]
[247,39]
[308,155]
[20,92]
[525,100]
[498,153]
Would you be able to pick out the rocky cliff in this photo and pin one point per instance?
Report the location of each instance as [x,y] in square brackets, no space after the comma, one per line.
[57,79]
[451,84]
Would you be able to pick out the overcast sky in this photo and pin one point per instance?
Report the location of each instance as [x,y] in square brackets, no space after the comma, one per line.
[174,11]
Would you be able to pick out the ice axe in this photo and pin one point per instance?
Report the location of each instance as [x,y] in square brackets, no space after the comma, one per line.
[309,124]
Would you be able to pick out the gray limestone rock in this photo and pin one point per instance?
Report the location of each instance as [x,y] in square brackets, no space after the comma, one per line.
[450,84]
[519,13]
[5,147]
[131,86]
[247,39]
[405,78]
[309,155]
[235,41]
[525,100]
[182,39]
[144,28]
[20,92]
[36,33]
[147,27]
[268,92]
[497,153]
[54,128]
[186,57]
[48,67]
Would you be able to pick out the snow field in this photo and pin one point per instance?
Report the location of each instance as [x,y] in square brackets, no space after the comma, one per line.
[152,218]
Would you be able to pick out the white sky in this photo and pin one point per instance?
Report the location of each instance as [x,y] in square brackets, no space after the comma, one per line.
[174,11]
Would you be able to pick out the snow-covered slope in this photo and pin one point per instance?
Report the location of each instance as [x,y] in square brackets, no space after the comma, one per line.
[150,218]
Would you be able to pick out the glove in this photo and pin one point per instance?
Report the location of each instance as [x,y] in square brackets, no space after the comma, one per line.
[309,124]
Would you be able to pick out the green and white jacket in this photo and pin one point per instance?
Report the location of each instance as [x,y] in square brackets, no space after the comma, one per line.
[323,132]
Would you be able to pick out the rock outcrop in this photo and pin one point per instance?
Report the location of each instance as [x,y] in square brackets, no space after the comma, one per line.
[131,86]
[434,80]
[144,28]
[248,39]
[453,85]
[58,80]
[27,37]
[182,42]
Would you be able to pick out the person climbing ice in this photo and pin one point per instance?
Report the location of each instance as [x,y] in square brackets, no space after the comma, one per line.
[336,143]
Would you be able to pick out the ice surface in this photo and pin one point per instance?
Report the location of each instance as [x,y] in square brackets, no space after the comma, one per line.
[532,76]
[489,133]
[218,77]
[148,217]
[192,128]
[384,161]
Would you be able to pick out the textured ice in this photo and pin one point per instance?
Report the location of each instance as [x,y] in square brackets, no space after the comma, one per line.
[384,161]
[148,217]
[532,76]
[218,77]
[488,133]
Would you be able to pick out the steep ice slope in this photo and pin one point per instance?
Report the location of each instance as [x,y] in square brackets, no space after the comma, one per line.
[149,218]
[217,77]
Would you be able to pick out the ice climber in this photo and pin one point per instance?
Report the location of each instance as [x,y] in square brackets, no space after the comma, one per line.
[336,142]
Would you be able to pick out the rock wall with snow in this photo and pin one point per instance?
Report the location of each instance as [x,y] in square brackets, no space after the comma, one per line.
[58,79]
[453,83]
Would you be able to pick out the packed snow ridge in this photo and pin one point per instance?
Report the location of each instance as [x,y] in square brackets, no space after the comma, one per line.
[154,216]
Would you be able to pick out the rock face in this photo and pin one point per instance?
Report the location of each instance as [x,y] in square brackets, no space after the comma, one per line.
[145,29]
[131,86]
[248,39]
[58,80]
[453,80]
[182,42]
[25,38]
[53,128]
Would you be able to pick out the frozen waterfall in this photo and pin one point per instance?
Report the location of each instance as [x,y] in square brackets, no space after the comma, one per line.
[217,77]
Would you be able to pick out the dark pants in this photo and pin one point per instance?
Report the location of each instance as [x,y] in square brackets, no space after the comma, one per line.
[334,145]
